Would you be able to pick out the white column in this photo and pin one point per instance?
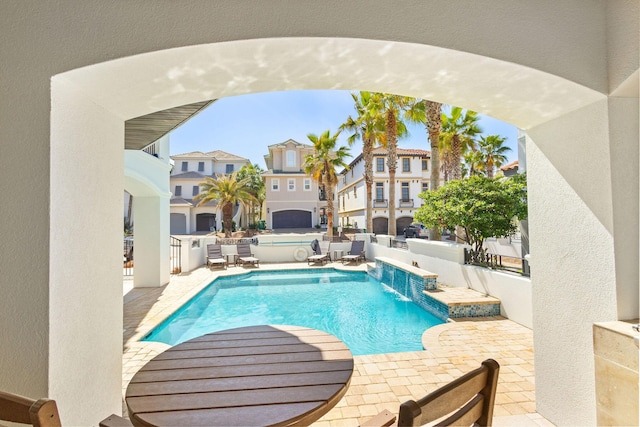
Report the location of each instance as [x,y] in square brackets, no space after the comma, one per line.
[151,249]
[573,261]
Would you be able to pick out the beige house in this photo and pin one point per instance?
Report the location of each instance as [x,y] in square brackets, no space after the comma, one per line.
[293,199]
[189,170]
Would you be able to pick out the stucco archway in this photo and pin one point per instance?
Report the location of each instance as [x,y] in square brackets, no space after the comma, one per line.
[104,95]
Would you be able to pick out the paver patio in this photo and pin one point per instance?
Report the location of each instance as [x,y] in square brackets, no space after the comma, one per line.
[379,381]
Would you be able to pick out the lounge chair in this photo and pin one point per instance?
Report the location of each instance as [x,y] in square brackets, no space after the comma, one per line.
[356,253]
[245,256]
[214,256]
[319,256]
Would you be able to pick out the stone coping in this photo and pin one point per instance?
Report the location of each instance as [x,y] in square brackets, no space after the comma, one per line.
[460,296]
[408,268]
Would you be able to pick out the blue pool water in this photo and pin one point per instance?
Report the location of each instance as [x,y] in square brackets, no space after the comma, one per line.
[368,316]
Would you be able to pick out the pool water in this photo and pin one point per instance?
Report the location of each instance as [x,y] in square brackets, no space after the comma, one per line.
[369,317]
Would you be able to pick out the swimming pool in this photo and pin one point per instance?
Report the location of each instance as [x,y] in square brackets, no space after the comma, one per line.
[368,316]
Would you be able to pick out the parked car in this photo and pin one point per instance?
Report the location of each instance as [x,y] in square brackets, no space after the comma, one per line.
[416,230]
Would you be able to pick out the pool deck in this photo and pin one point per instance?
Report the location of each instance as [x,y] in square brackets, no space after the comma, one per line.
[379,381]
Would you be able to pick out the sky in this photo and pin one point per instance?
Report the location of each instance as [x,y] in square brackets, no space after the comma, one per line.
[246,125]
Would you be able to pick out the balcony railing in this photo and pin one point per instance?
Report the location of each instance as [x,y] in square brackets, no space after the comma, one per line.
[405,203]
[498,262]
[380,203]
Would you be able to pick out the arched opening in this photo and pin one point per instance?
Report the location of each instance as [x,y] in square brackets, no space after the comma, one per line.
[106,94]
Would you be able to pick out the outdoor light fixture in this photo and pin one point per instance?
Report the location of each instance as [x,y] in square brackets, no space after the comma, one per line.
[267,210]
[314,210]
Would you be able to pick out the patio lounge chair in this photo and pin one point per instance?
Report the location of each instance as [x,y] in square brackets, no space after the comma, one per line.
[214,256]
[319,256]
[245,256]
[356,253]
[468,400]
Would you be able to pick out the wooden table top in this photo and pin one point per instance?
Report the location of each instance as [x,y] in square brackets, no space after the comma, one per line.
[257,375]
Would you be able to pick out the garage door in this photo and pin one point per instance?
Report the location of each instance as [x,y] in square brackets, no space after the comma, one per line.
[292,219]
[403,222]
[178,223]
[380,225]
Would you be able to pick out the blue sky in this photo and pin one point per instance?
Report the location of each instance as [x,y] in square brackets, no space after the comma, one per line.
[245,125]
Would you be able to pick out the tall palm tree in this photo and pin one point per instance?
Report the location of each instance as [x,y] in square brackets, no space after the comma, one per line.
[457,135]
[474,164]
[257,187]
[227,190]
[493,152]
[434,125]
[395,108]
[368,128]
[322,164]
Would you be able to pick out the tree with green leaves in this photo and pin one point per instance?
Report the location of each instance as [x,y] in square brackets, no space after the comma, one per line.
[474,164]
[482,207]
[227,190]
[257,186]
[322,164]
[493,152]
[457,136]
[395,109]
[369,128]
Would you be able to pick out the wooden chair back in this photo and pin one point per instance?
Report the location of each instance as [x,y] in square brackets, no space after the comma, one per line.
[467,400]
[19,409]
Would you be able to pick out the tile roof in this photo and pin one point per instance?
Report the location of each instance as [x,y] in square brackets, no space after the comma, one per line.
[188,175]
[215,155]
[512,165]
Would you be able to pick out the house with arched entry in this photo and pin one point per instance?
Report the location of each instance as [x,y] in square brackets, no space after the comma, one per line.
[74,73]
[189,170]
[413,176]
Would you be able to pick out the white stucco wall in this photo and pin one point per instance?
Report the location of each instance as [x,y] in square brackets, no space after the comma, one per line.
[173,54]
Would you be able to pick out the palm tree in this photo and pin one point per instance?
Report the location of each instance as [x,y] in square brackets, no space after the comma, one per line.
[434,125]
[493,152]
[394,108]
[474,164]
[257,187]
[368,128]
[227,190]
[322,164]
[457,136]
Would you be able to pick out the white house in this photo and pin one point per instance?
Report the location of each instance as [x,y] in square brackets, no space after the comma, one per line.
[413,176]
[189,170]
[293,199]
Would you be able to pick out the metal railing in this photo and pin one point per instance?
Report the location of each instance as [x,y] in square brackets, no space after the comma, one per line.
[405,203]
[380,203]
[176,255]
[399,244]
[235,241]
[127,257]
[498,262]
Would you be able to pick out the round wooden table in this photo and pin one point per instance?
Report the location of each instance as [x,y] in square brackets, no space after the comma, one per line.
[257,375]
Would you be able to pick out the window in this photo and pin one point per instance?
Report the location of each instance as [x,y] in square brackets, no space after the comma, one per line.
[291,184]
[379,191]
[291,159]
[406,164]
[307,184]
[196,190]
[379,164]
[275,184]
[229,169]
[200,166]
[404,189]
[425,165]
[178,190]
[425,186]
[185,166]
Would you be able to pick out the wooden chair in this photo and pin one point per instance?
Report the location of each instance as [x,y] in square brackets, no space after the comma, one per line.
[19,409]
[468,400]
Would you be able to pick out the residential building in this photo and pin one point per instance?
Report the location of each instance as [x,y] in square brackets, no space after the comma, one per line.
[413,177]
[189,170]
[510,169]
[293,198]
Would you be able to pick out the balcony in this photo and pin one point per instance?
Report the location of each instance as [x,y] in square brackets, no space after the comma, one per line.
[405,203]
[380,203]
